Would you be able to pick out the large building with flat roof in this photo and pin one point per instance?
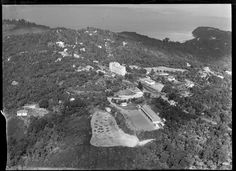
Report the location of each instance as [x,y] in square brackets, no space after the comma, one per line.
[151,85]
[128,94]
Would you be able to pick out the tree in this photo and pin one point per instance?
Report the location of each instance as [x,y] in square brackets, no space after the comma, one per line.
[44,103]
[129,76]
[152,72]
[100,73]
[172,96]
[140,86]
[166,40]
[128,69]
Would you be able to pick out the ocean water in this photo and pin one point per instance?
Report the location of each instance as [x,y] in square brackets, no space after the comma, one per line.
[158,21]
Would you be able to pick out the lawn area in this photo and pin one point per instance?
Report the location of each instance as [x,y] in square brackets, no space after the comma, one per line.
[139,120]
[15,128]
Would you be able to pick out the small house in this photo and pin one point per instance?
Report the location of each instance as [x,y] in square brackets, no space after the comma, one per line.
[22,112]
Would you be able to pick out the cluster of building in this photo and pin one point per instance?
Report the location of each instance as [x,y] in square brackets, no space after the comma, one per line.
[171,102]
[206,72]
[162,69]
[87,68]
[32,110]
[60,44]
[188,83]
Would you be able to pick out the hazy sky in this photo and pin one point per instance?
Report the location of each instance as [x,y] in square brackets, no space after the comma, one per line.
[175,21]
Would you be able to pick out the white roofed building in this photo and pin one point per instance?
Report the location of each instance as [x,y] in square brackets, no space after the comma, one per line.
[117,68]
[151,85]
[124,43]
[152,116]
[60,44]
[14,83]
[189,83]
[229,72]
[171,78]
[72,99]
[188,65]
[82,49]
[108,109]
[22,113]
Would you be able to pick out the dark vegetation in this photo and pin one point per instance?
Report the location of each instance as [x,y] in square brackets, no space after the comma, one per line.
[61,138]
[23,23]
[17,27]
[209,44]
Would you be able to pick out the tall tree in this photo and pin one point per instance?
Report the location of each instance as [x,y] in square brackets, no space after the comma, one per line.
[140,86]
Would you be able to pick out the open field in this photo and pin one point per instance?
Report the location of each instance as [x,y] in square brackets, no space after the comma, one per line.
[137,118]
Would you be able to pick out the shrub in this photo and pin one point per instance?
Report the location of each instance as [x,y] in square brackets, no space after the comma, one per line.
[43,103]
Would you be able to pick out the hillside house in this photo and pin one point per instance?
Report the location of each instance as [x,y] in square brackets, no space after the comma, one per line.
[134,67]
[72,99]
[60,44]
[76,55]
[58,59]
[185,93]
[108,109]
[22,112]
[116,68]
[171,78]
[82,49]
[34,110]
[99,70]
[87,68]
[124,43]
[124,104]
[14,83]
[229,72]
[188,83]
[161,74]
[128,84]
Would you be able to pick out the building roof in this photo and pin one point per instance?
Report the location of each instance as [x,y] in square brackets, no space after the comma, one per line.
[163,68]
[147,109]
[125,92]
[22,112]
[128,93]
[147,80]
[155,86]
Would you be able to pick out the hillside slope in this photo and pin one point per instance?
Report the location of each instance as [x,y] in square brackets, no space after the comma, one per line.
[210,45]
[58,69]
[14,27]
